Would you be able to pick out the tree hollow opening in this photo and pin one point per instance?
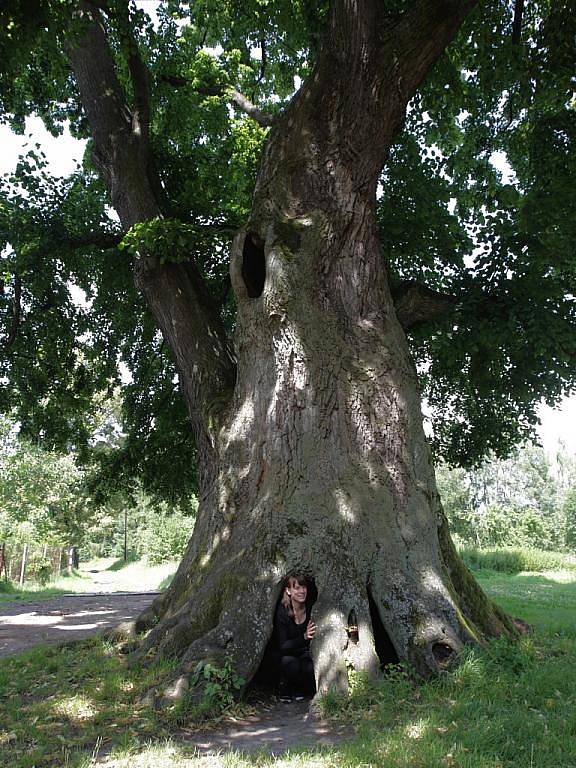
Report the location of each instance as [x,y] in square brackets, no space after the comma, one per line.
[253,265]
[267,675]
[384,647]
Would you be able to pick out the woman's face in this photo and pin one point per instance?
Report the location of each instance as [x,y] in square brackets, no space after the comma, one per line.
[296,591]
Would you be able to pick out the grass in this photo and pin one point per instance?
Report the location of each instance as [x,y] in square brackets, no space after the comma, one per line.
[509,706]
[516,559]
[101,575]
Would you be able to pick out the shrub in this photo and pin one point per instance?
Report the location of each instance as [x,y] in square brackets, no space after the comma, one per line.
[166,536]
[6,587]
[515,559]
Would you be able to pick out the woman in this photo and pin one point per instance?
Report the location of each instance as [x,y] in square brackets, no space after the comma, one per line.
[293,631]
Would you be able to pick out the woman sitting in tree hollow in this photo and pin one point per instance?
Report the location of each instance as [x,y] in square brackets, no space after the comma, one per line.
[293,631]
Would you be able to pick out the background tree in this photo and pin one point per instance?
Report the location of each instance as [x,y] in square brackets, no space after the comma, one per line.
[43,495]
[518,501]
[569,509]
[308,436]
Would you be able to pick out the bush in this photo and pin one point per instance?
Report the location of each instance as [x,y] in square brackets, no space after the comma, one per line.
[166,536]
[6,587]
[515,559]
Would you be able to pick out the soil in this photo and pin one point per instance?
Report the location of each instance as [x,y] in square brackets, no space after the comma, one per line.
[273,728]
[66,617]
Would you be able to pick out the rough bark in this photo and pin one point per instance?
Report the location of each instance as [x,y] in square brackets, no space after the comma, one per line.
[319,463]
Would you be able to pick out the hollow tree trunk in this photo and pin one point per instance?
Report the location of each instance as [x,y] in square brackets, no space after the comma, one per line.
[319,462]
[323,463]
[324,468]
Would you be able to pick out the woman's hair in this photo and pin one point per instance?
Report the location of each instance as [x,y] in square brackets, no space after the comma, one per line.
[286,599]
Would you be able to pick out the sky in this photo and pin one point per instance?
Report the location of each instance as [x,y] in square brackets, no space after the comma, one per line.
[62,153]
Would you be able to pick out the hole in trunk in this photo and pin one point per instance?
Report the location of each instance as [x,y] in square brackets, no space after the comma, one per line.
[443,654]
[384,646]
[253,265]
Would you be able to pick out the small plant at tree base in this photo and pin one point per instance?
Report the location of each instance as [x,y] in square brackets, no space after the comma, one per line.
[219,686]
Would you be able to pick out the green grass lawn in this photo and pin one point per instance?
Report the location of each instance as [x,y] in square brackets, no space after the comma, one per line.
[510,705]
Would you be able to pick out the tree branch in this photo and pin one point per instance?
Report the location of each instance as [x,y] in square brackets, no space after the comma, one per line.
[104,240]
[238,99]
[139,74]
[416,303]
[421,36]
[245,105]
[369,68]
[175,292]
[517,23]
[16,313]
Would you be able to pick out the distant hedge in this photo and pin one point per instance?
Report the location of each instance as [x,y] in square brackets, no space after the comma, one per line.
[515,559]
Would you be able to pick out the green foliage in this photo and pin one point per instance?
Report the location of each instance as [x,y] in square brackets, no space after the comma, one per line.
[166,535]
[168,239]
[517,502]
[42,495]
[213,689]
[6,587]
[45,500]
[569,510]
[500,244]
[155,531]
[515,560]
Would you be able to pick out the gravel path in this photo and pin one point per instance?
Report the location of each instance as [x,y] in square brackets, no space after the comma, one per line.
[66,617]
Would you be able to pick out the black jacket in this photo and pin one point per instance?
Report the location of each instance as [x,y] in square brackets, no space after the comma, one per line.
[289,636]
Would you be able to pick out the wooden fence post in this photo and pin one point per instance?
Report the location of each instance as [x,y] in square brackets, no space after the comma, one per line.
[23,566]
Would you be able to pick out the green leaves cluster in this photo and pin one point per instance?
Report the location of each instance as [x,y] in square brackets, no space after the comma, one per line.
[43,495]
[166,239]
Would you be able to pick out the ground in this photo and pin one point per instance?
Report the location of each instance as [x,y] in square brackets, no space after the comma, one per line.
[271,726]
[68,617]
[510,706]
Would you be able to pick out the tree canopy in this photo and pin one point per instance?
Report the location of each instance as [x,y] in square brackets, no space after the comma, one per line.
[481,260]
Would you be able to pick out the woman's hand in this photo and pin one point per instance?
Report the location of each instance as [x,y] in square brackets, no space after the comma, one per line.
[310,631]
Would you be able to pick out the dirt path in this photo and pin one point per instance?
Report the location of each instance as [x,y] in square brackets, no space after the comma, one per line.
[66,617]
[274,728]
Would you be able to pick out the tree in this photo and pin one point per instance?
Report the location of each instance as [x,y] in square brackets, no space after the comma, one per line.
[569,509]
[516,501]
[42,495]
[308,430]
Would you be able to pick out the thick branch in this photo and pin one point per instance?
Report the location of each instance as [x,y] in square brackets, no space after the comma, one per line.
[422,35]
[415,303]
[245,105]
[108,240]
[101,93]
[354,102]
[139,75]
[175,293]
[104,240]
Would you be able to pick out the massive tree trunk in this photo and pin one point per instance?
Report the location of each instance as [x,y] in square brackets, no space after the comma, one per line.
[318,462]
